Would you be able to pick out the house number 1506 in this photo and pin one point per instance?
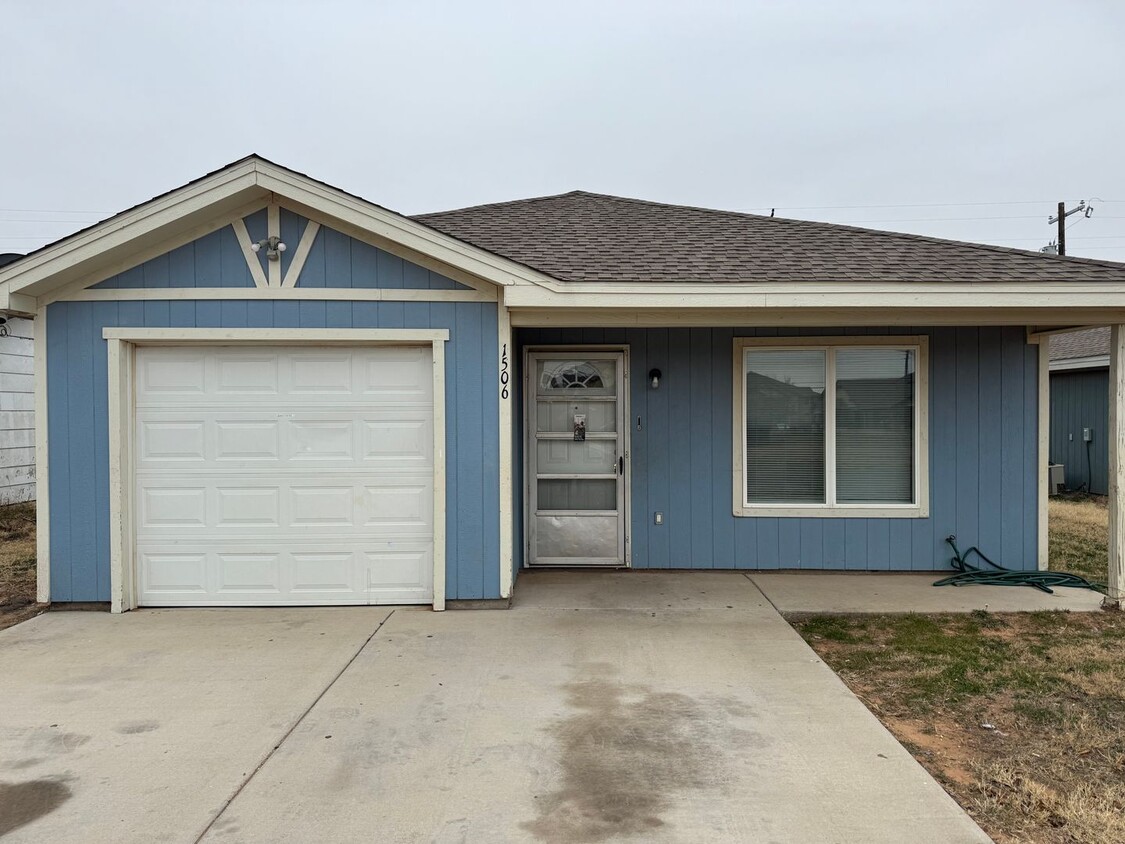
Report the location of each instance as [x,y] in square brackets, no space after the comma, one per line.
[504,376]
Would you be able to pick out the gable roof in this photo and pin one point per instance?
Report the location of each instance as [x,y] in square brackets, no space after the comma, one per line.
[591,237]
[185,213]
[1092,343]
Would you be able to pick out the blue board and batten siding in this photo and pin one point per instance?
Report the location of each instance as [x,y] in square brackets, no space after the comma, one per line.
[983,480]
[1080,399]
[77,389]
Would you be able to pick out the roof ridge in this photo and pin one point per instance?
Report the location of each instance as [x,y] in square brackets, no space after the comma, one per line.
[484,205]
[819,224]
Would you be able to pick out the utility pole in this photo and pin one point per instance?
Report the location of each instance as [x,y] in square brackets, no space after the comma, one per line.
[1062,228]
[1060,218]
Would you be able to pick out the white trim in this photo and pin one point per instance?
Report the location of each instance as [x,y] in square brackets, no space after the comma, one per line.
[918,509]
[234,336]
[135,259]
[1115,597]
[1035,332]
[439,472]
[121,345]
[248,253]
[395,227]
[273,229]
[1089,362]
[324,294]
[42,465]
[364,236]
[122,573]
[861,311]
[506,395]
[308,237]
[1043,452]
[137,230]
[255,182]
[845,295]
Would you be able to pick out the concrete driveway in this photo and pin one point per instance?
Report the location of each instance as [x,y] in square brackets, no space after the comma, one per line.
[603,707]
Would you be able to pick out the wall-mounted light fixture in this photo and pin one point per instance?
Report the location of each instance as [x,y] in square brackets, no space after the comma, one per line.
[273,246]
[654,376]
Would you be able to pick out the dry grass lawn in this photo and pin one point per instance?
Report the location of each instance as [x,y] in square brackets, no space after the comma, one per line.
[17,564]
[1079,536]
[1019,716]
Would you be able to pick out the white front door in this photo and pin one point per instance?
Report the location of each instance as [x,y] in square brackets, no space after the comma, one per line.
[274,475]
[576,458]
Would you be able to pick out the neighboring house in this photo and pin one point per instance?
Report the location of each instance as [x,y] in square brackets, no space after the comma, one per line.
[1080,408]
[412,410]
[17,407]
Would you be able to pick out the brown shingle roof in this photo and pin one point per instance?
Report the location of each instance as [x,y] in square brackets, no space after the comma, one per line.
[1080,344]
[580,236]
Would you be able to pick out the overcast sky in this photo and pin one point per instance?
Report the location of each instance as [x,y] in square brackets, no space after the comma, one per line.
[956,119]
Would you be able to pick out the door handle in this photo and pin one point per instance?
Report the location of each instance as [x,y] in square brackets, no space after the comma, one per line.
[621,465]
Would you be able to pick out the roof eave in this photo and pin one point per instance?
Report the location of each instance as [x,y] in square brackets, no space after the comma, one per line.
[166,221]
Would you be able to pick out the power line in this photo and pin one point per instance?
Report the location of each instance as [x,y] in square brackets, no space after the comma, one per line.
[907,205]
[50,211]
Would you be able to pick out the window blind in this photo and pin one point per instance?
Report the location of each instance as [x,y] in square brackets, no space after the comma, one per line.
[785,426]
[875,425]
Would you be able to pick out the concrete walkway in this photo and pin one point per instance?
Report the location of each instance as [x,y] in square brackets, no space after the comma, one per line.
[864,592]
[603,707]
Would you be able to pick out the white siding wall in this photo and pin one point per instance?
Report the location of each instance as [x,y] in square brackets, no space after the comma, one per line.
[17,413]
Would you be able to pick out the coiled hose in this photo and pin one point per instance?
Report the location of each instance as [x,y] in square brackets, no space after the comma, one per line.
[968,574]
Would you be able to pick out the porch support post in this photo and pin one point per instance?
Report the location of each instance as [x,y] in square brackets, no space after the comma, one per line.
[1116,597]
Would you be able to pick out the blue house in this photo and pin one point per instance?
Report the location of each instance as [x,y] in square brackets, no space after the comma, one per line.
[1080,408]
[259,389]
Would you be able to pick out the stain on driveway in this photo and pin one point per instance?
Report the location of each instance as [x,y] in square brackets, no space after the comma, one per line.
[627,752]
[23,802]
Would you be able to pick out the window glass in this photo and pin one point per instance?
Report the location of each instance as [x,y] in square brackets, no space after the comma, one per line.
[875,425]
[785,426]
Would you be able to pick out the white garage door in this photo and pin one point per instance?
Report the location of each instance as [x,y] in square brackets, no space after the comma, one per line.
[284,475]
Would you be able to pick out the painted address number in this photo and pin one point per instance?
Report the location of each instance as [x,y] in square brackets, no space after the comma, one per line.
[505,377]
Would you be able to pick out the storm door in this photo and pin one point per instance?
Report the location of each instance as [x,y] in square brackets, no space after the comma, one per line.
[576,458]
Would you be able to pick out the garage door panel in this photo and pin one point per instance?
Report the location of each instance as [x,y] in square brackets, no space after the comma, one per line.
[404,506]
[314,505]
[243,572]
[256,440]
[179,441]
[315,571]
[165,376]
[174,574]
[246,373]
[235,504]
[376,439]
[222,574]
[174,508]
[401,441]
[247,506]
[379,376]
[320,439]
[322,374]
[274,475]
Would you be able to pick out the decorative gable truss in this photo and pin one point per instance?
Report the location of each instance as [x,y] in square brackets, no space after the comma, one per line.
[324,264]
[141,253]
[264,255]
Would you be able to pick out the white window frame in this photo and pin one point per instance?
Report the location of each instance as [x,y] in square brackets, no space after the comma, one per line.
[919,508]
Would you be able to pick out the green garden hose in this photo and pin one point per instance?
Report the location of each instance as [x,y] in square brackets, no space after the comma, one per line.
[999,576]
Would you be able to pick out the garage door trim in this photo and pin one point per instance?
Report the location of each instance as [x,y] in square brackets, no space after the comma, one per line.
[121,344]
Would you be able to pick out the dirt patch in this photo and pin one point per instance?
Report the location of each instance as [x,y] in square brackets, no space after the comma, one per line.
[1019,716]
[17,564]
[24,802]
[626,751]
